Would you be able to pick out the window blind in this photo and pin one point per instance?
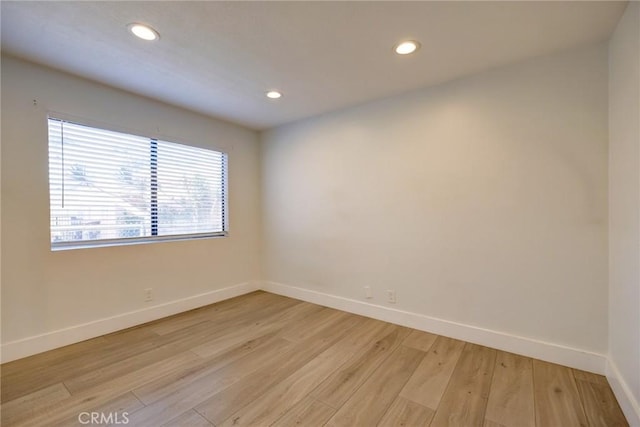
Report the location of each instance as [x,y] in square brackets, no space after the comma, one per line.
[114,188]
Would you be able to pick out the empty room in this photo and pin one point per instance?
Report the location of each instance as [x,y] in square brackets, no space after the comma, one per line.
[239,213]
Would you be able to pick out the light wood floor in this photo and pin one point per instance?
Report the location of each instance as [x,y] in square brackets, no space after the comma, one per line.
[263,359]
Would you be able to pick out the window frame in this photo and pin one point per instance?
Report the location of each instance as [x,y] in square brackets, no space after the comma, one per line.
[153,138]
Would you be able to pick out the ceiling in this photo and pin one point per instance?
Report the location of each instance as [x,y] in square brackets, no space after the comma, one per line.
[219,58]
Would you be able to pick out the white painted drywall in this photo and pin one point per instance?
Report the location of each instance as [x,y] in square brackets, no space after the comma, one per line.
[624,200]
[43,291]
[482,201]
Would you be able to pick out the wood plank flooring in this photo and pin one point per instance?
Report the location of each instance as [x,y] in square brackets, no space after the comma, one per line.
[267,360]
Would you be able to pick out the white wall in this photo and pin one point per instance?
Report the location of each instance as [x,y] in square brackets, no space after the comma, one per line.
[624,207]
[482,201]
[44,291]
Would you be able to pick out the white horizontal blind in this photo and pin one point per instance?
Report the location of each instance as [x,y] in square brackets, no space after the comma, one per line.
[109,187]
[190,196]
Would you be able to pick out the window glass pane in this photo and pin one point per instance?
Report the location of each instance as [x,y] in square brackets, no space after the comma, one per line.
[190,189]
[98,183]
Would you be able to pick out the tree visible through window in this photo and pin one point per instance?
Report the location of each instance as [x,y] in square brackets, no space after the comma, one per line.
[109,187]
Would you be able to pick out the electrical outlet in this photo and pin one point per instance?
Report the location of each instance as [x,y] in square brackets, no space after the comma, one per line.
[391,296]
[148,295]
[367,292]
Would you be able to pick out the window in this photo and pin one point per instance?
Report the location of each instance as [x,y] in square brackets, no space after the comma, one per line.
[111,188]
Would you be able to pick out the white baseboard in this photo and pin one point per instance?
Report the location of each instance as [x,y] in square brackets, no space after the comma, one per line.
[629,404]
[555,353]
[37,344]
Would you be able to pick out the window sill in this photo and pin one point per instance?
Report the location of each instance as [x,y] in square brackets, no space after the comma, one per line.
[65,246]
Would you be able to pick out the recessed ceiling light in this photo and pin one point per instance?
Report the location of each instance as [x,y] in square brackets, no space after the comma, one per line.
[144,32]
[407,47]
[274,94]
